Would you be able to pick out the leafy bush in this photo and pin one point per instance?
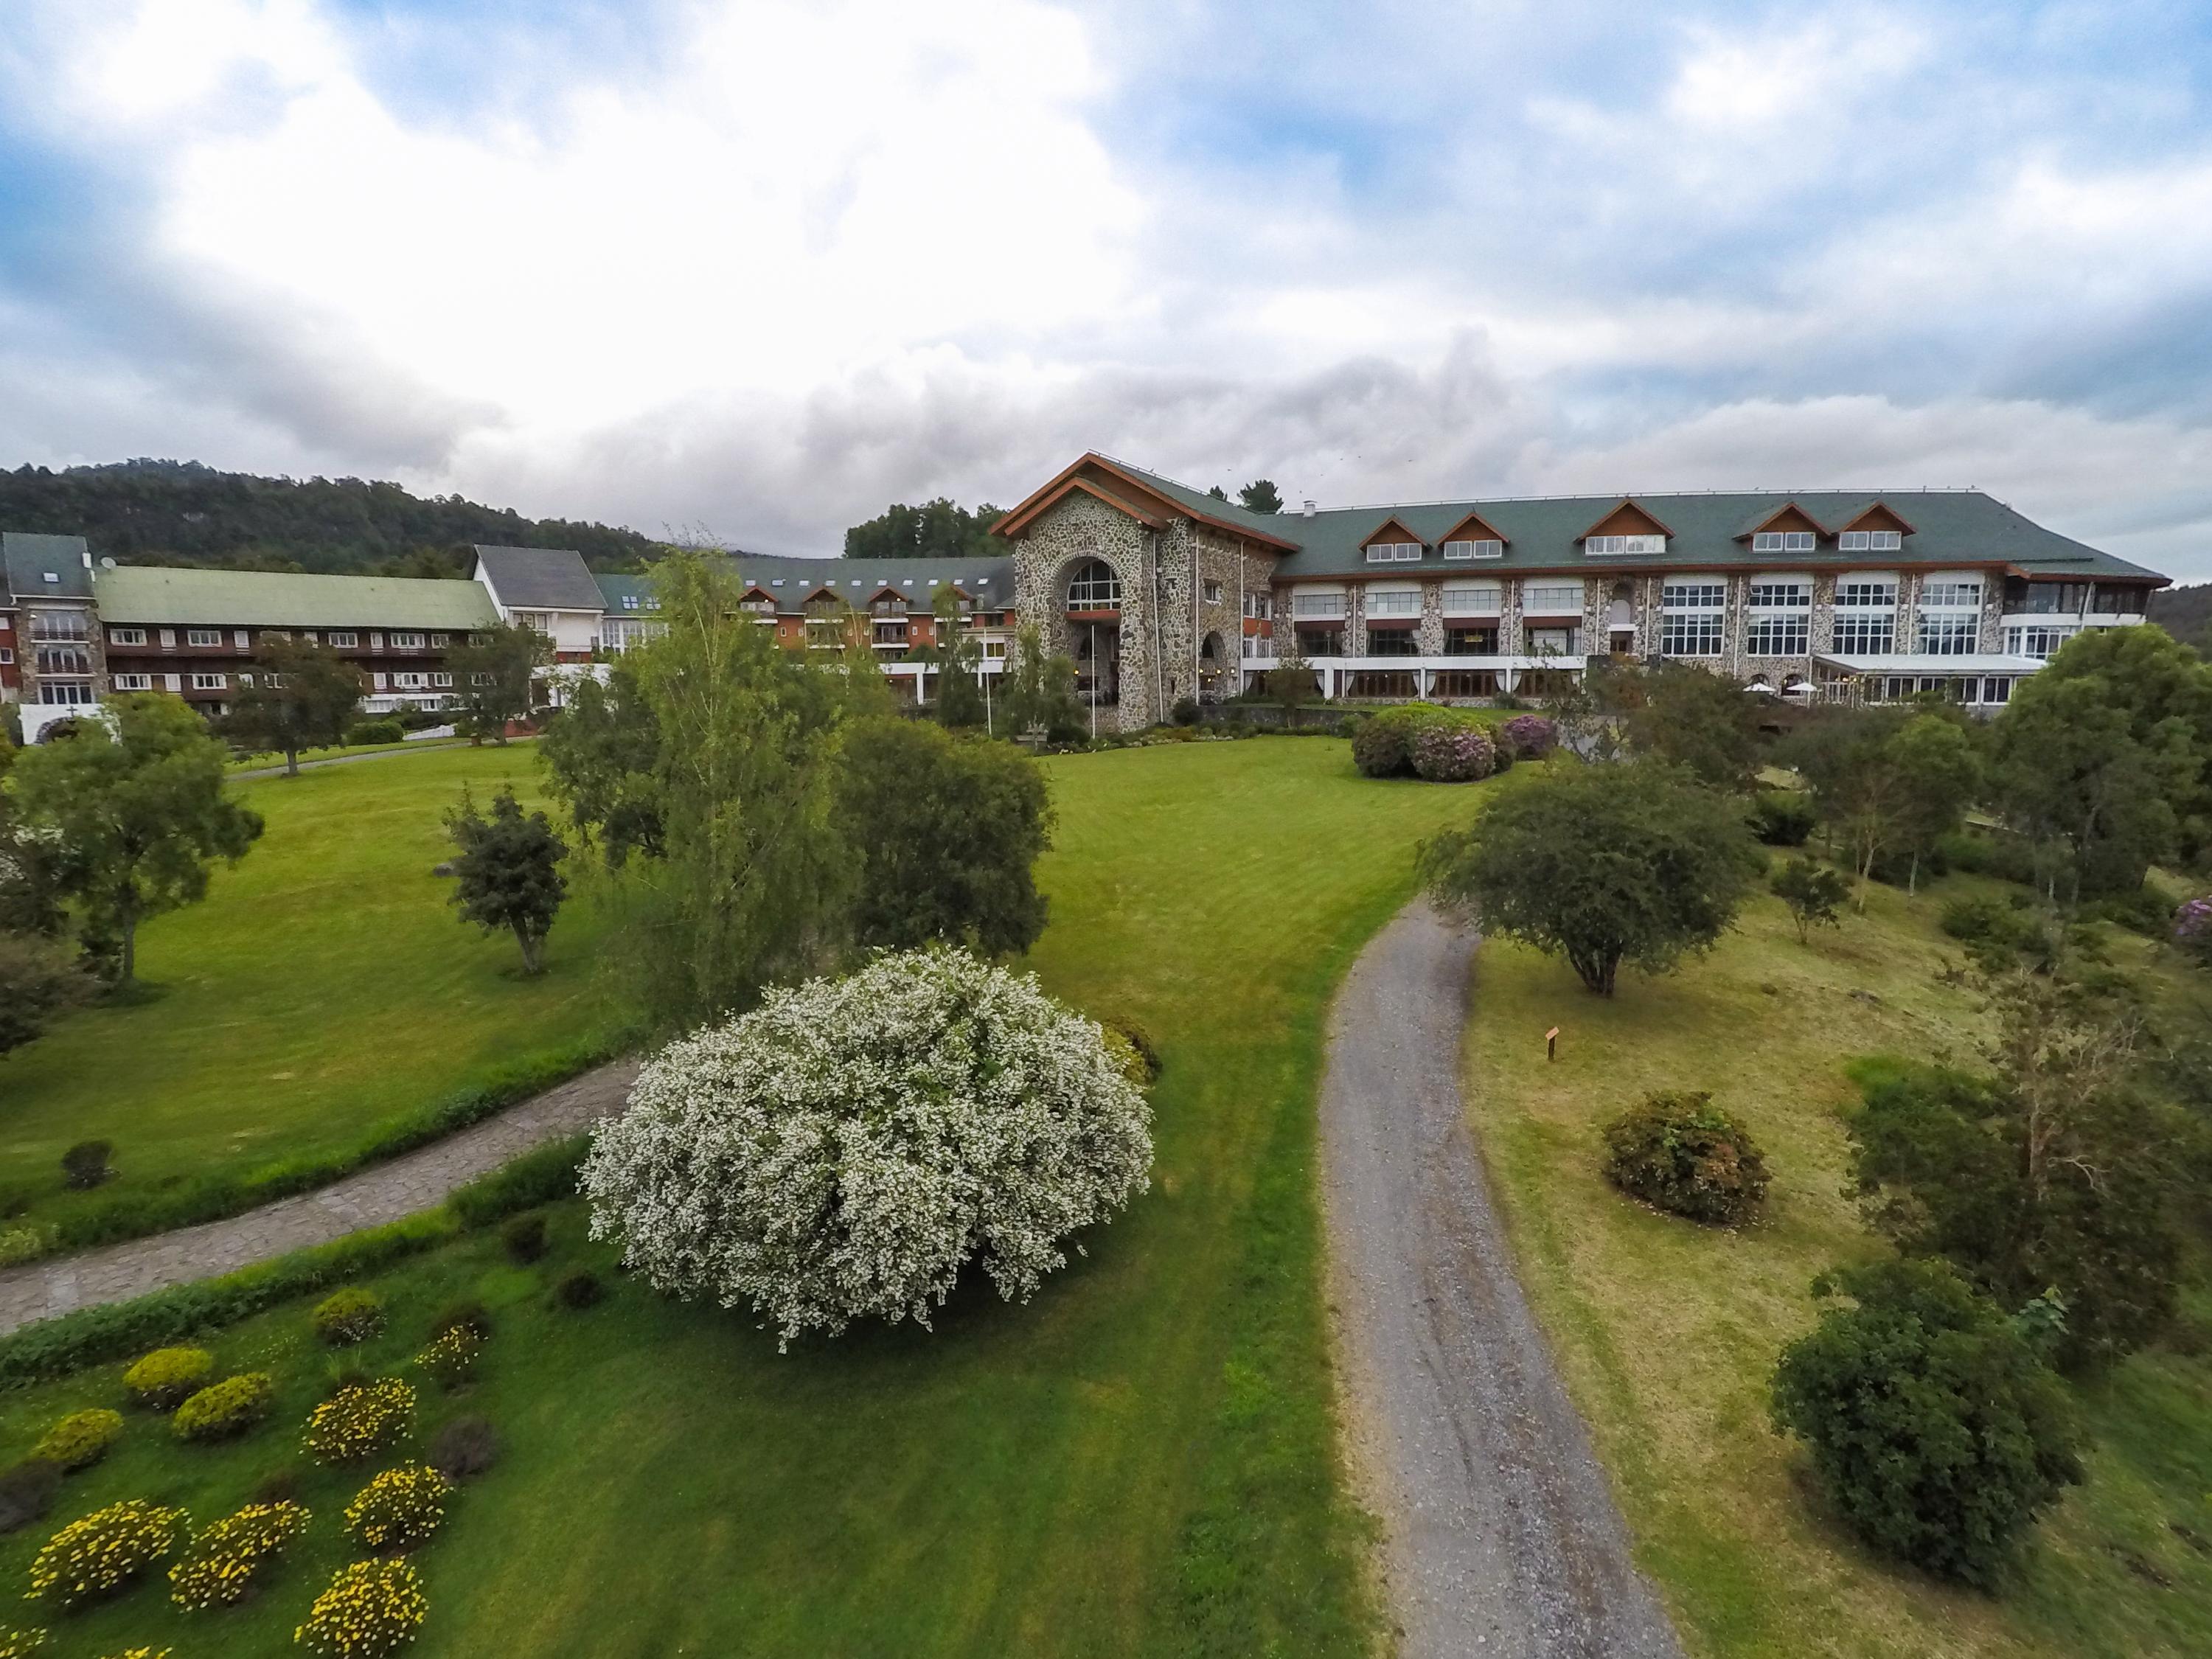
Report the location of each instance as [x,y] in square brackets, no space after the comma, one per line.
[579,1290]
[2006,857]
[225,1409]
[1382,744]
[525,1238]
[1935,1428]
[80,1439]
[1783,818]
[451,1356]
[20,1244]
[27,1491]
[1139,1043]
[1682,1153]
[219,1566]
[469,1315]
[399,1508]
[163,1378]
[370,1608]
[1185,712]
[1528,736]
[1453,754]
[2192,929]
[85,1165]
[368,731]
[105,1550]
[762,1161]
[1815,893]
[359,1422]
[1999,934]
[464,1448]
[347,1316]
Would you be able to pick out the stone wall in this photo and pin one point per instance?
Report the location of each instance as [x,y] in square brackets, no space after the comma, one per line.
[1079,528]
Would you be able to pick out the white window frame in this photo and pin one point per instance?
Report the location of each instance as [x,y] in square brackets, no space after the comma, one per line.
[1392,552]
[134,681]
[1482,548]
[1318,607]
[410,641]
[204,637]
[1532,603]
[1693,617]
[1619,546]
[1870,541]
[126,636]
[1394,602]
[1951,593]
[344,639]
[1212,592]
[206,682]
[1475,600]
[1782,541]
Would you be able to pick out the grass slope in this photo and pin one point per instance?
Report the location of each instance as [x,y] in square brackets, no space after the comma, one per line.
[1138,1462]
[1667,1332]
[325,984]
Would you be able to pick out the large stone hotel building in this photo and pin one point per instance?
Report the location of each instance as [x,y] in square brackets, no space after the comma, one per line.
[1160,591]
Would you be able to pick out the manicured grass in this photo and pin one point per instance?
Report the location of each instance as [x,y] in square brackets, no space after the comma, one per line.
[325,986]
[343,751]
[1667,1332]
[1140,1461]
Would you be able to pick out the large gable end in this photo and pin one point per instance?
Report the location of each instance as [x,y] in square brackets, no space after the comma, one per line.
[1391,542]
[1876,516]
[1474,528]
[1788,519]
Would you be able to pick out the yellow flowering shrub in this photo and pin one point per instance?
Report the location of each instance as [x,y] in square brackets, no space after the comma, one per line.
[370,1608]
[104,1551]
[225,1408]
[452,1355]
[164,1378]
[218,1567]
[360,1421]
[20,1643]
[80,1439]
[399,1508]
[349,1316]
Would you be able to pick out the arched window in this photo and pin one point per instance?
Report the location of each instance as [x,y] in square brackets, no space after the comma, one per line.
[1095,587]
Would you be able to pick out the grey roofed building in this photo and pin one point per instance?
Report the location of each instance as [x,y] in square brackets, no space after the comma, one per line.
[161,595]
[1962,527]
[46,567]
[539,578]
[990,582]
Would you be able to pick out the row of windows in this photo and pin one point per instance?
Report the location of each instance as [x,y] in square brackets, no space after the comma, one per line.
[1606,545]
[1803,541]
[338,639]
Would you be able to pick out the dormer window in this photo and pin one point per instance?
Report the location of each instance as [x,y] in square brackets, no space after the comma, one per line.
[1782,541]
[1619,544]
[1392,552]
[1482,549]
[1870,541]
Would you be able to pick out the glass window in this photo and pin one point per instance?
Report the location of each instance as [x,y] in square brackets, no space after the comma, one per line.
[1317,605]
[126,636]
[1392,642]
[207,682]
[1952,593]
[1870,541]
[1784,635]
[1782,541]
[1866,633]
[343,641]
[134,681]
[1624,545]
[1552,598]
[203,636]
[1552,641]
[1864,591]
[1095,587]
[1392,552]
[407,641]
[1484,549]
[1470,642]
[1780,593]
[1474,599]
[1949,635]
[1321,641]
[1394,604]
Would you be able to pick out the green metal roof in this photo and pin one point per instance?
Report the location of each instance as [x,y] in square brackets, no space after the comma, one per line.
[1951,527]
[247,598]
[990,582]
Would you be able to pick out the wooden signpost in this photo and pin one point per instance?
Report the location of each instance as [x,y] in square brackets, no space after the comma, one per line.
[1551,1043]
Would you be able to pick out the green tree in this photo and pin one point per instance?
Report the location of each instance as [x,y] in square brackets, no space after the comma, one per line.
[947,830]
[508,874]
[1705,721]
[957,662]
[493,672]
[2070,772]
[602,752]
[2165,689]
[1260,497]
[1815,894]
[303,696]
[1937,776]
[1039,693]
[137,806]
[1635,862]
[936,529]
[2051,1169]
[1844,756]
[39,979]
[732,798]
[1934,1427]
[1290,681]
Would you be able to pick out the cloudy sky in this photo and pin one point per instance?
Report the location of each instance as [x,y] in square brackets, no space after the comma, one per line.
[763,267]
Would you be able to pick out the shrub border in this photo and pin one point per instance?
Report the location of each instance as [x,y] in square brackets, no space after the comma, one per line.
[56,1347]
[216,1198]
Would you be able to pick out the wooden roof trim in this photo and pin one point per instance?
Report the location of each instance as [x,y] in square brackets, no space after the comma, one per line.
[1818,529]
[756,591]
[1626,501]
[828,588]
[890,588]
[1058,490]
[1177,509]
[1490,531]
[1874,507]
[1405,533]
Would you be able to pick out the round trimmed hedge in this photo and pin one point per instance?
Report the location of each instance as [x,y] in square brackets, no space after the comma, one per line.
[225,1409]
[1386,744]
[845,1150]
[81,1439]
[164,1378]
[1679,1153]
[1528,736]
[1454,754]
[347,1316]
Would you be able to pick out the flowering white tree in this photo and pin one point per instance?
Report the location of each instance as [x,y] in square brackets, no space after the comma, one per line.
[842,1151]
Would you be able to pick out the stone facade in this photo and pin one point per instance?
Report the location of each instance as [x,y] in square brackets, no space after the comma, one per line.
[1046,557]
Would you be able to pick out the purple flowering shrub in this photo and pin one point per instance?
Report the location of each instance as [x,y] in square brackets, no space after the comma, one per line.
[1454,754]
[1530,737]
[2192,927]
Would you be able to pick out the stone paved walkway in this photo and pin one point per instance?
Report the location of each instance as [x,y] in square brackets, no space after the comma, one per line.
[383,1192]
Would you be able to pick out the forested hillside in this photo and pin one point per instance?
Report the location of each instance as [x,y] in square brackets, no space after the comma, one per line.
[150,511]
[2186,613]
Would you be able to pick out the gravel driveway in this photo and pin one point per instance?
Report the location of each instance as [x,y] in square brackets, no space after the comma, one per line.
[1501,1535]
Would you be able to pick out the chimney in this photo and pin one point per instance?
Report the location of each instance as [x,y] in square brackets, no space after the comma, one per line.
[1309,509]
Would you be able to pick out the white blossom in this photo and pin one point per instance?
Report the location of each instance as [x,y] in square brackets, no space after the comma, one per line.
[844,1150]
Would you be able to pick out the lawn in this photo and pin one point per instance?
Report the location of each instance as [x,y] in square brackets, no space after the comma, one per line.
[1140,1461]
[1666,1332]
[324,985]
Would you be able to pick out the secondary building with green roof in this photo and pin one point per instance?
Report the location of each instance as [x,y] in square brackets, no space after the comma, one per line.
[1162,591]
